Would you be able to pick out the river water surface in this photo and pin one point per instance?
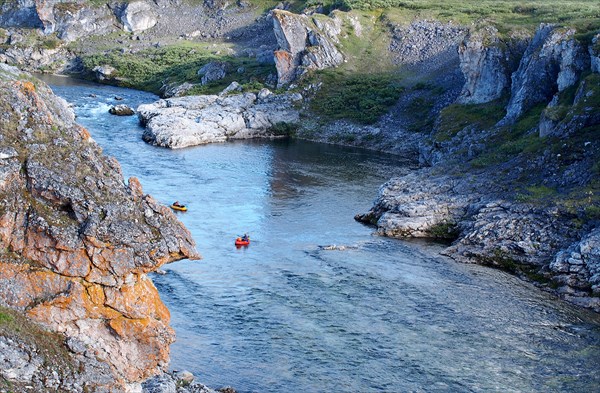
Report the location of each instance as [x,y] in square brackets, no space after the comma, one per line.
[289,314]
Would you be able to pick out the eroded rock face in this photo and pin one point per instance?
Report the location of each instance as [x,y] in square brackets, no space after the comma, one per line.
[194,120]
[19,13]
[303,45]
[487,63]
[73,20]
[552,62]
[77,242]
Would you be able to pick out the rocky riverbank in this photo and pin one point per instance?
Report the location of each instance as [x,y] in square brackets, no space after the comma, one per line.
[77,245]
[520,193]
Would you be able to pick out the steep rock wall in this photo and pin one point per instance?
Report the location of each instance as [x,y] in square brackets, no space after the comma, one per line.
[76,241]
[304,44]
[487,63]
[551,63]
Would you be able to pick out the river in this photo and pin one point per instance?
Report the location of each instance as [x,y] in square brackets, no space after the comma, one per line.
[293,313]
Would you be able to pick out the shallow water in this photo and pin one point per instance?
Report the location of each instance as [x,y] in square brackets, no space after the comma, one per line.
[287,314]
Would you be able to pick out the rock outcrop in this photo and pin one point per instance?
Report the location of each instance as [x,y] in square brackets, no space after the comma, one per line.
[430,44]
[552,62]
[77,242]
[194,120]
[578,270]
[594,51]
[487,62]
[409,207]
[71,21]
[303,45]
[21,13]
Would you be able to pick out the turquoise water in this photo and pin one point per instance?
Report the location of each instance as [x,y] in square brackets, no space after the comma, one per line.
[289,314]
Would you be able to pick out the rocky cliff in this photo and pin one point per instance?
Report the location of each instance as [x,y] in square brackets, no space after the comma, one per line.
[521,195]
[305,43]
[78,243]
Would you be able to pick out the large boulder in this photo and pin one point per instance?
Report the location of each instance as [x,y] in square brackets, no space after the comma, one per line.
[194,120]
[137,16]
[77,242]
[213,71]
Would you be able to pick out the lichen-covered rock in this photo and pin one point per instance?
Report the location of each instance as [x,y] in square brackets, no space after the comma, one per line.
[77,242]
[303,45]
[194,120]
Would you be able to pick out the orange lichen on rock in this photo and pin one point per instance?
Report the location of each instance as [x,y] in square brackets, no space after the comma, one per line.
[83,132]
[138,300]
[26,87]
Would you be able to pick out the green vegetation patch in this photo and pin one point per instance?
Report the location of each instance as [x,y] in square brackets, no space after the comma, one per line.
[356,97]
[150,69]
[456,117]
[50,345]
[537,194]
[512,141]
[446,230]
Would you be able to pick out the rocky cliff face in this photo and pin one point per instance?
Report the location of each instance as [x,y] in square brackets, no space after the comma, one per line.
[487,63]
[541,240]
[304,44]
[77,242]
[551,63]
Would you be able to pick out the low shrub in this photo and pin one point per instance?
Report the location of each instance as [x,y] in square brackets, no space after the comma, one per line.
[355,97]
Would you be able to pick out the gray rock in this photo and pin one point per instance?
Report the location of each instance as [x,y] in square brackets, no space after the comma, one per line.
[213,71]
[137,16]
[233,87]
[104,72]
[176,89]
[302,46]
[552,62]
[594,51]
[487,63]
[194,120]
[121,110]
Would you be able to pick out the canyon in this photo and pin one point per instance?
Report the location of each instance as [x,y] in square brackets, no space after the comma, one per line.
[501,128]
